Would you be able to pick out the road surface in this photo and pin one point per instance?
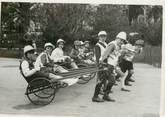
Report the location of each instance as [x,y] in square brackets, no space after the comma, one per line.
[75,101]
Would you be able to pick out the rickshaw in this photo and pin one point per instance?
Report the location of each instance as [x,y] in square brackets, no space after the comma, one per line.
[42,90]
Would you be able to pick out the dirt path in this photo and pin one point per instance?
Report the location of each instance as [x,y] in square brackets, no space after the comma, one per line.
[142,101]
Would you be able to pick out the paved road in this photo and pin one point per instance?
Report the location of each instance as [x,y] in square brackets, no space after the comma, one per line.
[142,101]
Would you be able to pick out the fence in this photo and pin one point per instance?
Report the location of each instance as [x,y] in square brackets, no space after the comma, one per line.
[151,55]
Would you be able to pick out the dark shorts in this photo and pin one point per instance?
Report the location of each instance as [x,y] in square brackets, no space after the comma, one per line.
[126,65]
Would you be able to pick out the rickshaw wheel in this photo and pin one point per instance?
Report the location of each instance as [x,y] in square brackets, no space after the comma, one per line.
[40,91]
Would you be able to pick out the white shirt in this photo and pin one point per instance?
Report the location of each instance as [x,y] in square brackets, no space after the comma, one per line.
[26,69]
[38,64]
[114,56]
[130,52]
[57,55]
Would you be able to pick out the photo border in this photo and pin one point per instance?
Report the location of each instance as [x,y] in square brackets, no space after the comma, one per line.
[118,2]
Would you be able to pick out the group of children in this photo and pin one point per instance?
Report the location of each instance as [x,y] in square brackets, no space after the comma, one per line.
[117,55]
[48,63]
[82,53]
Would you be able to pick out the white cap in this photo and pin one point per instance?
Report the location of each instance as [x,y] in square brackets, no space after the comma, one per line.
[102,33]
[122,35]
[49,44]
[28,48]
[60,40]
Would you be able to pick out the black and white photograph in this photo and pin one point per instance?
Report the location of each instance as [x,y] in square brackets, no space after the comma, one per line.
[80,59]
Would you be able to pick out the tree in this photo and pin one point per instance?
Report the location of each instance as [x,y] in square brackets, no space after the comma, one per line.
[150,25]
[112,19]
[79,21]
[15,20]
[68,21]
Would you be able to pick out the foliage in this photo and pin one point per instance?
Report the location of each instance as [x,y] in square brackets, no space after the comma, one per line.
[78,21]
[112,19]
[66,21]
[151,27]
[15,20]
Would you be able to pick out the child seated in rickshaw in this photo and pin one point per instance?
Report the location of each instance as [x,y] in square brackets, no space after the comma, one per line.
[74,54]
[88,53]
[59,57]
[32,68]
[79,53]
[28,69]
[45,63]
[85,53]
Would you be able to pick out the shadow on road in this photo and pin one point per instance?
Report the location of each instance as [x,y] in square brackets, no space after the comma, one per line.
[26,106]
